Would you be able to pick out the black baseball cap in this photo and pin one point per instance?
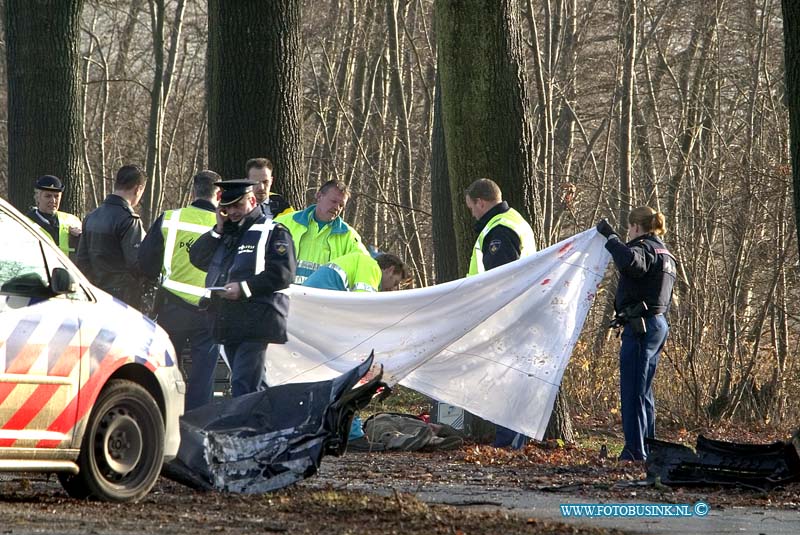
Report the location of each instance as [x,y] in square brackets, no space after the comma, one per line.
[233,190]
[49,183]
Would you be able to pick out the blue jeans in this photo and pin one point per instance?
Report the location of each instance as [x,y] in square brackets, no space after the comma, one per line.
[638,358]
[248,372]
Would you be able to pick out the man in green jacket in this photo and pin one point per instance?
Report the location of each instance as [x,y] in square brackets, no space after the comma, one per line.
[358,272]
[319,233]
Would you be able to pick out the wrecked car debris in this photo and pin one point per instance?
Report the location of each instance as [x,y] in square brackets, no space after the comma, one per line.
[715,462]
[270,439]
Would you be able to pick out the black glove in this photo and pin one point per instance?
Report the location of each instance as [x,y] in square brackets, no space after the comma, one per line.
[605,229]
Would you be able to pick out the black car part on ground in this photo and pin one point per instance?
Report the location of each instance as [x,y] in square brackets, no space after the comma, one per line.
[270,439]
[714,462]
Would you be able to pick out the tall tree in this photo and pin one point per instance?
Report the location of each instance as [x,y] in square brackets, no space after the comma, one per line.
[484,105]
[44,115]
[628,32]
[791,39]
[163,73]
[444,238]
[487,131]
[254,55]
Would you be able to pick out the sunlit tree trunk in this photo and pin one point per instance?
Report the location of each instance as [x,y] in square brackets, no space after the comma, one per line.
[628,36]
[163,74]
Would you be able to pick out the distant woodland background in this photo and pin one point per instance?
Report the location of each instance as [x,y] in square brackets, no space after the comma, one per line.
[579,109]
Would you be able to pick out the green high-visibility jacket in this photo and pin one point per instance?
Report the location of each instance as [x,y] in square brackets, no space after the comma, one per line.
[315,245]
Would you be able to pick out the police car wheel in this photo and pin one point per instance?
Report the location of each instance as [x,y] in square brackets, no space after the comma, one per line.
[123,446]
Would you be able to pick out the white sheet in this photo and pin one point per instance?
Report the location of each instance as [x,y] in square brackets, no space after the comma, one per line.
[495,344]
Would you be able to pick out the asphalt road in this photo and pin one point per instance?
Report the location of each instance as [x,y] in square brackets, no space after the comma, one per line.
[487,489]
[36,505]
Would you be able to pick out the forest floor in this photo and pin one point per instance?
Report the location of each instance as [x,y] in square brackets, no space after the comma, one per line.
[465,491]
[476,489]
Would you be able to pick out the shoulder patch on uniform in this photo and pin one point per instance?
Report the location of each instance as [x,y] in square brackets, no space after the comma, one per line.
[494,246]
[280,247]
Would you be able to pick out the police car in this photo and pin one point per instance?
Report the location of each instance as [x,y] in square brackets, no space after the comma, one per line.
[89,387]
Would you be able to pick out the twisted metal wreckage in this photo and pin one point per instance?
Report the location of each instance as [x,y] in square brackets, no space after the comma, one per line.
[270,439]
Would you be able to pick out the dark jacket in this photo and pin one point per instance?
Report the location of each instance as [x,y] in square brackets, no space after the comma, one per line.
[108,249]
[502,245]
[50,224]
[275,205]
[232,258]
[646,272]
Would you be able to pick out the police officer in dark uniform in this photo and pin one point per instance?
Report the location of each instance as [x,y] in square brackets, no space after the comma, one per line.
[109,246]
[248,259]
[259,171]
[63,228]
[646,277]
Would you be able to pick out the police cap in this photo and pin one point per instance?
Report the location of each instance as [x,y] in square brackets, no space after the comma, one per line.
[233,190]
[49,183]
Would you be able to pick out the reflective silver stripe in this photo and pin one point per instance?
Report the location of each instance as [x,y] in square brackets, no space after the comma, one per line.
[342,275]
[183,287]
[265,229]
[363,286]
[299,279]
[183,225]
[305,264]
[479,254]
[169,244]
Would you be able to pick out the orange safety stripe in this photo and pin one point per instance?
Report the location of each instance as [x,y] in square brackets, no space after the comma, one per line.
[80,404]
[20,365]
[43,393]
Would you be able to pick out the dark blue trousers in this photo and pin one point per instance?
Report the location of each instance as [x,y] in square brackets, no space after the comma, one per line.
[638,358]
[248,367]
[187,325]
[505,437]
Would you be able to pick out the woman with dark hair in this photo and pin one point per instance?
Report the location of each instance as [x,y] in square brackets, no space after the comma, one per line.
[646,277]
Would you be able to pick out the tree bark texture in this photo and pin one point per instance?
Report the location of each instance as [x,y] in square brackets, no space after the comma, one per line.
[254,54]
[628,32]
[484,105]
[444,238]
[791,39]
[44,114]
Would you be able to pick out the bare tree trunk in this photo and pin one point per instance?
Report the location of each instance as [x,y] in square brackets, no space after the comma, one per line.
[403,175]
[44,112]
[628,35]
[791,39]
[254,90]
[163,72]
[444,238]
[484,105]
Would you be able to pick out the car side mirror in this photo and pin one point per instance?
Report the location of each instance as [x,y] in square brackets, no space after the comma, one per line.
[61,281]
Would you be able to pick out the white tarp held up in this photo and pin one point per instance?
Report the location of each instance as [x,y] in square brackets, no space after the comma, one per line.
[495,344]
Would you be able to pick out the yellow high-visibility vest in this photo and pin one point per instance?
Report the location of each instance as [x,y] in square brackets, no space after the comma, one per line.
[180,229]
[511,219]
